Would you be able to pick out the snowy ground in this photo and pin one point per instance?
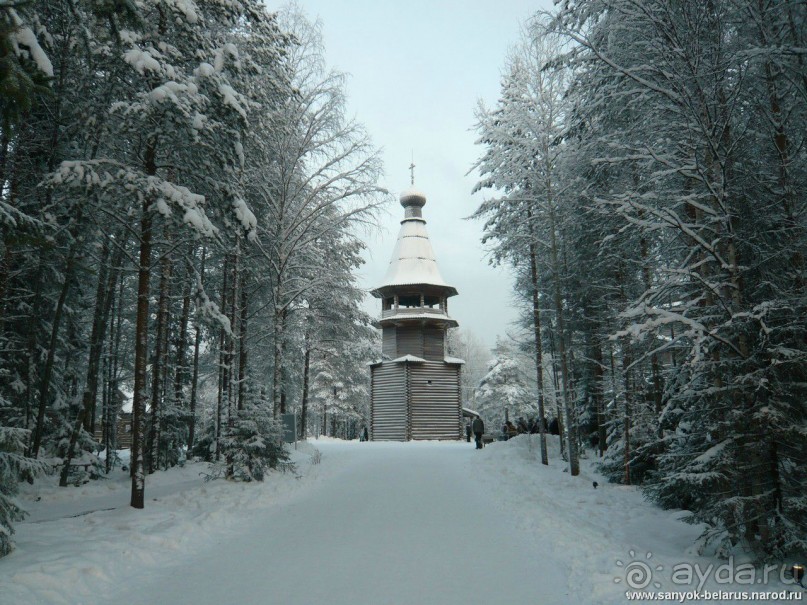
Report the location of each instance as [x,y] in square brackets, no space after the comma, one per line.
[374,523]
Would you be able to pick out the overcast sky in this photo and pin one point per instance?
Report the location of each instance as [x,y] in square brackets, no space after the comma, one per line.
[417,69]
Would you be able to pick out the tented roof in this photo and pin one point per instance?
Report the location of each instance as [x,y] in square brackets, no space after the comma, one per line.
[413,261]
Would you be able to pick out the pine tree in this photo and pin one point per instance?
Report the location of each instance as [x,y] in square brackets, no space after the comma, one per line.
[253,444]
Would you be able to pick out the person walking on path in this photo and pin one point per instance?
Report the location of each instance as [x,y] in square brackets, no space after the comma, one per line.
[468,432]
[479,428]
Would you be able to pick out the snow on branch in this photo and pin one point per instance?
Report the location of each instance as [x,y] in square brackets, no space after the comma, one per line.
[234,99]
[102,175]
[246,218]
[142,60]
[209,309]
[24,42]
[187,8]
[660,317]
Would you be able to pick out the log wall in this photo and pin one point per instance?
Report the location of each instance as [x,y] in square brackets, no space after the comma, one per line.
[428,343]
[415,400]
[434,344]
[389,415]
[388,345]
[409,341]
[435,411]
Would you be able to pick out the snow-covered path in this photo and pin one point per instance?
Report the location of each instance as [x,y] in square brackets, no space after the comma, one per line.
[380,523]
[397,524]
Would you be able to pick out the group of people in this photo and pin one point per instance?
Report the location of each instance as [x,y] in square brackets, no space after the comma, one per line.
[530,426]
[476,427]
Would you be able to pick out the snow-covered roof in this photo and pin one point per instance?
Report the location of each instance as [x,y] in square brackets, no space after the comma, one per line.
[453,360]
[412,196]
[408,358]
[413,261]
[434,316]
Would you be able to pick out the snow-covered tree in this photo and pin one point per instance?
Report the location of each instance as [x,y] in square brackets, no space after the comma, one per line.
[676,102]
[521,138]
[504,387]
[13,463]
[253,444]
[653,224]
[143,148]
[318,182]
[465,345]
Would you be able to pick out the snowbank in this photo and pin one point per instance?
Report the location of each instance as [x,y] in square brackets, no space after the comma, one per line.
[601,533]
[78,544]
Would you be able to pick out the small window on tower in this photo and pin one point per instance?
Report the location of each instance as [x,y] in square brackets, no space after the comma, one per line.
[388,304]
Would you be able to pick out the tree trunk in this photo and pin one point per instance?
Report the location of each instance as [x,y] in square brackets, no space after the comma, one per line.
[106,437]
[31,361]
[571,424]
[224,379]
[44,389]
[243,349]
[51,164]
[4,146]
[235,316]
[277,383]
[195,379]
[556,385]
[97,341]
[141,358]
[194,386]
[628,411]
[140,396]
[158,367]
[5,270]
[103,302]
[324,426]
[599,380]
[180,370]
[627,416]
[536,324]
[644,251]
[304,398]
[111,409]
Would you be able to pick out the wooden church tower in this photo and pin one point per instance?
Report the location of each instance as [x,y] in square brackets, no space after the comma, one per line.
[415,390]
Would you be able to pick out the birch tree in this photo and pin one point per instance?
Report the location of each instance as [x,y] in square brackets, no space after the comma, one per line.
[521,160]
[324,172]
